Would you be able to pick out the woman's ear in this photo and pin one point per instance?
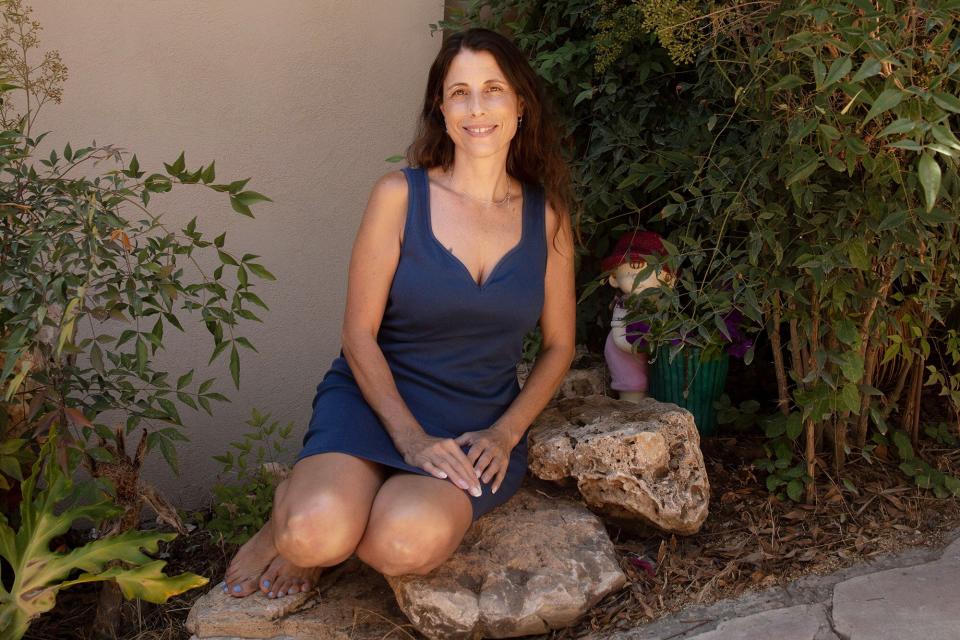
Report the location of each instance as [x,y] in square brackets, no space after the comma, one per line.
[612,280]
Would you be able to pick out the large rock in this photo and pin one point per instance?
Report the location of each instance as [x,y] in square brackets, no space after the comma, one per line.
[352,602]
[630,460]
[531,565]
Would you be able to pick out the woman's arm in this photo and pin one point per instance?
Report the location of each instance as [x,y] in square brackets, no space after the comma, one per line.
[558,324]
[373,262]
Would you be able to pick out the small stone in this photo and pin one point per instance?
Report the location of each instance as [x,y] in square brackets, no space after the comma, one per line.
[531,565]
[630,460]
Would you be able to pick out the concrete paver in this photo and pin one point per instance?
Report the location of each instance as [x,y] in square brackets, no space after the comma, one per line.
[917,602]
[802,622]
[913,595]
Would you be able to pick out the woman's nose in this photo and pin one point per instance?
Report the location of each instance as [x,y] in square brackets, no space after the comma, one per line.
[476,106]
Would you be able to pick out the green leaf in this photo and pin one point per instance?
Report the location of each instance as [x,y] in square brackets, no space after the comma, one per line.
[795,490]
[260,271]
[235,365]
[141,355]
[838,69]
[803,172]
[929,172]
[847,332]
[184,380]
[947,101]
[249,198]
[96,359]
[226,258]
[893,221]
[396,158]
[897,127]
[904,448]
[789,81]
[888,99]
[209,174]
[850,397]
[857,252]
[869,68]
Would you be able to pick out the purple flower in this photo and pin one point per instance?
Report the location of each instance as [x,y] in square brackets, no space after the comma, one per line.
[633,331]
[739,343]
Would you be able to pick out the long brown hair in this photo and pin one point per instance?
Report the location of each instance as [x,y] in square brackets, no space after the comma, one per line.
[534,155]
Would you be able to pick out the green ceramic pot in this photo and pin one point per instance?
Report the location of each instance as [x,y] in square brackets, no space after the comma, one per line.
[691,383]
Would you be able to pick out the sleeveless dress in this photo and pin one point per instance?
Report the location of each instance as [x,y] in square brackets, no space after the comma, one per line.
[452,345]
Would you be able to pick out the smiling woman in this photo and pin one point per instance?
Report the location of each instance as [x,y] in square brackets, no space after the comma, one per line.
[419,426]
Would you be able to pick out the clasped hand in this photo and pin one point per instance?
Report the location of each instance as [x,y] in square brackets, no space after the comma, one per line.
[486,459]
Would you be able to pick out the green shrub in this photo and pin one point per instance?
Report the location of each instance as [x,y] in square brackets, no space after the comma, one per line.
[801,159]
[242,506]
[39,574]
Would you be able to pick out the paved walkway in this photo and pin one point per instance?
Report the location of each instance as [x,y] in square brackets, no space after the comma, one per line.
[913,595]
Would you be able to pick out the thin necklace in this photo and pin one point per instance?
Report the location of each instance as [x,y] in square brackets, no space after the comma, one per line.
[496,203]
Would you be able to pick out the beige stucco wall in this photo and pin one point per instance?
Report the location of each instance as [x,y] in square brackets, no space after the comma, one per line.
[308,97]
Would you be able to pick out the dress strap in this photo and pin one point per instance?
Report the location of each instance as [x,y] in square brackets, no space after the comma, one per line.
[417,191]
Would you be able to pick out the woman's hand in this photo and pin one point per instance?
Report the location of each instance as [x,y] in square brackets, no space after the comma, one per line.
[489,453]
[441,457]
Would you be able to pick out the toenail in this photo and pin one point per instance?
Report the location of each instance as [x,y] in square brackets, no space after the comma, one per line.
[266,583]
[281,594]
[270,595]
[236,588]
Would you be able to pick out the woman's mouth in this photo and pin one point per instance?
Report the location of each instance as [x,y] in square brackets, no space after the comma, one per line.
[480,131]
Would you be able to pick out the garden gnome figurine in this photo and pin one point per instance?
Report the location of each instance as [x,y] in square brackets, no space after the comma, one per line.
[628,369]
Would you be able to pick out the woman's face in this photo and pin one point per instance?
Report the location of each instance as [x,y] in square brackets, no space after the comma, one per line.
[479,105]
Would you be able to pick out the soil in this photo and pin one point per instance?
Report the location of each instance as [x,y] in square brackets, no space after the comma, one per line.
[751,540]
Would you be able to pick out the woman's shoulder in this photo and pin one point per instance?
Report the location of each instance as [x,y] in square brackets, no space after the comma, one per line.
[391,186]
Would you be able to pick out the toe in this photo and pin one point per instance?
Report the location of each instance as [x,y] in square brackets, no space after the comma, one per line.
[269,578]
[242,588]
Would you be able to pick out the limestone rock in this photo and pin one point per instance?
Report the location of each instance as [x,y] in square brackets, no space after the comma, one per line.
[576,383]
[352,602]
[531,565]
[630,460]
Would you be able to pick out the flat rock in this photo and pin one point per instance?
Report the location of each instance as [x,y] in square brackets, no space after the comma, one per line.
[577,382]
[530,565]
[802,622]
[914,602]
[630,460]
[351,602]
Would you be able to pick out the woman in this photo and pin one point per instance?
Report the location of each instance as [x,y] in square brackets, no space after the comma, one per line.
[419,427]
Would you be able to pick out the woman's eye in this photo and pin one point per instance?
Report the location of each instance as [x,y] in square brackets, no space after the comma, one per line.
[496,88]
[457,92]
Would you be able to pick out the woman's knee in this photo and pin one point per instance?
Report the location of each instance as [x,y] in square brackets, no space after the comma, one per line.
[322,531]
[398,546]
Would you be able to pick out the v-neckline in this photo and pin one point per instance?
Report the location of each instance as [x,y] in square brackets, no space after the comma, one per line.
[523,232]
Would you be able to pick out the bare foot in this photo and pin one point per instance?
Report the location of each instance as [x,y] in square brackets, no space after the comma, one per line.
[283,578]
[249,563]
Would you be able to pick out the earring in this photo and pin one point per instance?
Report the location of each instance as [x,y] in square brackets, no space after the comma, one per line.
[519,122]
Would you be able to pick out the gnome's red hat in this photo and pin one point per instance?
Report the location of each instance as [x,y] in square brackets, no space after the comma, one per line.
[634,246]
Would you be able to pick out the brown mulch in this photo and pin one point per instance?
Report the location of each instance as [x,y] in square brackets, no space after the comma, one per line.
[751,540]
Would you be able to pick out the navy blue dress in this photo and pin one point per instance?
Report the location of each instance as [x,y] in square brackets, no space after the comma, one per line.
[451,344]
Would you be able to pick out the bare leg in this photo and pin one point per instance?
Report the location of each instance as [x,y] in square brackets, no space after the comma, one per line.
[319,514]
[416,523]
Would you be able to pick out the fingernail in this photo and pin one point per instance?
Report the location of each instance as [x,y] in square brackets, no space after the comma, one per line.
[462,484]
[266,583]
[493,490]
[477,471]
[443,475]
[476,491]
